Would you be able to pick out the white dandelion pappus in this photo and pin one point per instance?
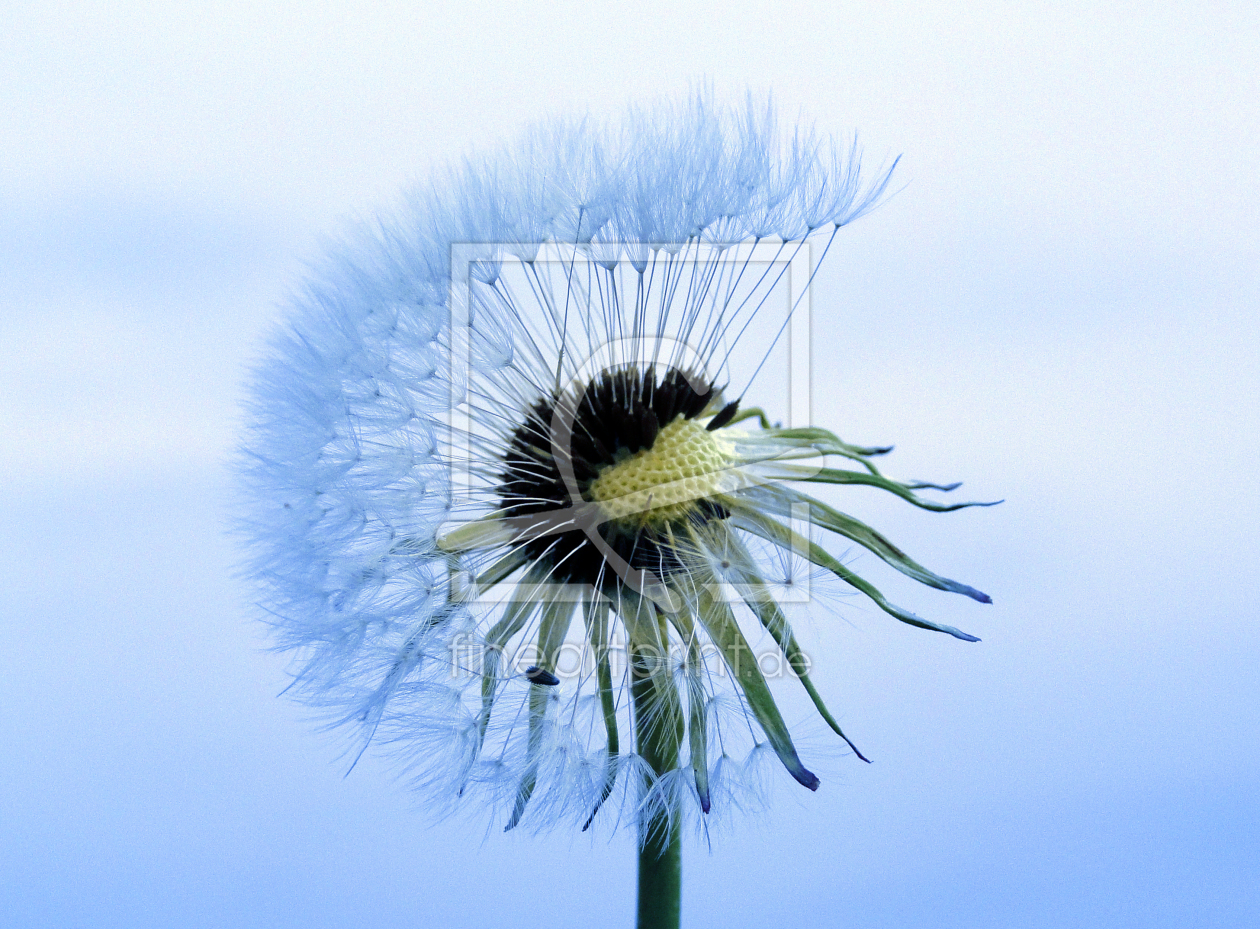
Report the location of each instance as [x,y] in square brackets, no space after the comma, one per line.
[504,515]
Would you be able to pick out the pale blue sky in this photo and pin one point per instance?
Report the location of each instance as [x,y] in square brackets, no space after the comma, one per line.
[1059,308]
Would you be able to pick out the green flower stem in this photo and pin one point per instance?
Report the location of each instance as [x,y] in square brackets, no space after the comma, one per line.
[660,876]
[659,726]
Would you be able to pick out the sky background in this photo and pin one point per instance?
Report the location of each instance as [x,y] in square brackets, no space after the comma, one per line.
[1059,307]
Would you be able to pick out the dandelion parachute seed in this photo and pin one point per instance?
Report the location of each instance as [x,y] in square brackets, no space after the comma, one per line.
[505,513]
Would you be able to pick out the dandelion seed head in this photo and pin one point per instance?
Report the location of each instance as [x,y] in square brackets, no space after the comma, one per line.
[504,518]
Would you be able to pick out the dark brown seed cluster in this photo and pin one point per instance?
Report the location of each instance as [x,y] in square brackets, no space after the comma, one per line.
[619,413]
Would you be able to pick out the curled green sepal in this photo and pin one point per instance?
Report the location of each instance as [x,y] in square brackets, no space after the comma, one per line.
[597,615]
[502,569]
[697,729]
[488,532]
[820,514]
[781,535]
[749,412]
[519,609]
[759,599]
[719,621]
[903,489]
[556,616]
[828,443]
